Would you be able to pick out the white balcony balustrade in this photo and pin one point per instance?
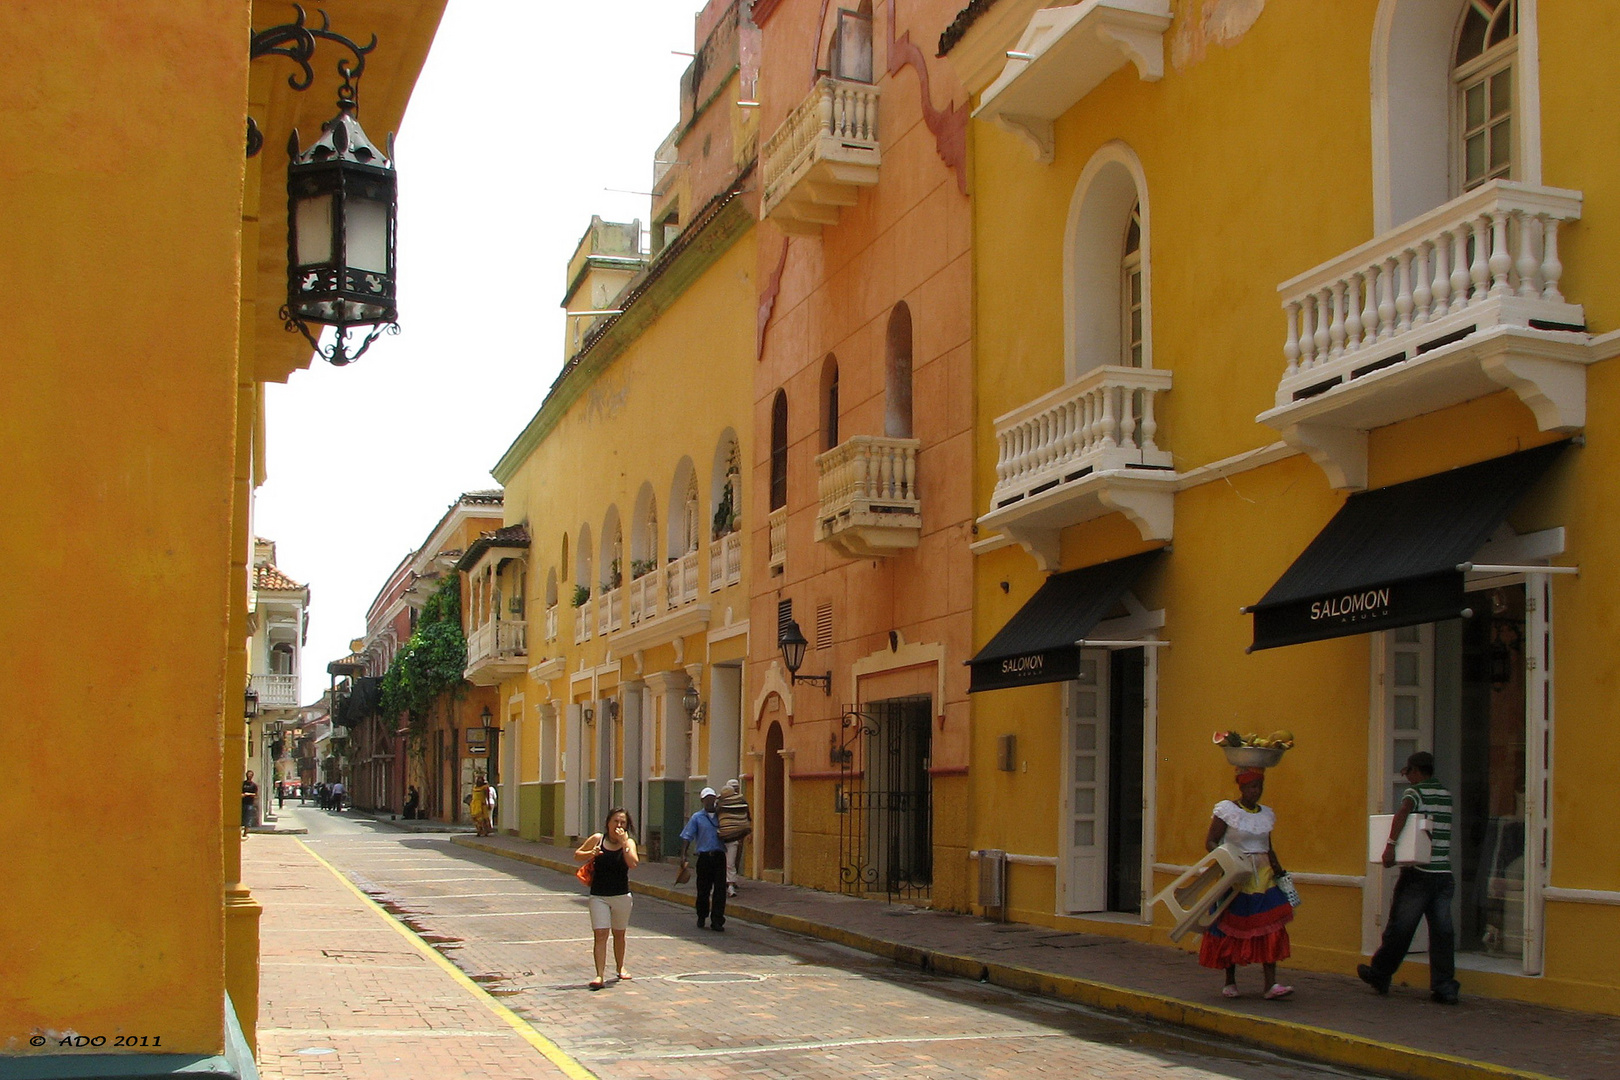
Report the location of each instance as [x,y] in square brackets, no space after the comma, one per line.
[610,611]
[276,691]
[1452,306]
[778,523]
[584,616]
[497,649]
[681,580]
[821,156]
[869,503]
[725,561]
[644,597]
[551,623]
[1088,448]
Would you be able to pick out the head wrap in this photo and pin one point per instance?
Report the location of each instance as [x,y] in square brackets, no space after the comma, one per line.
[1244,776]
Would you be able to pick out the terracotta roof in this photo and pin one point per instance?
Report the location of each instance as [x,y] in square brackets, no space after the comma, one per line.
[492,495]
[267,577]
[510,536]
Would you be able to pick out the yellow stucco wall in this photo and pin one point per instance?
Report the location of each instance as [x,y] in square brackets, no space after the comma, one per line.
[121,171]
[1243,193]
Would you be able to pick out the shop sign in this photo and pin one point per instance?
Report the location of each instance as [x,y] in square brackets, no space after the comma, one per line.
[1027,669]
[1360,610]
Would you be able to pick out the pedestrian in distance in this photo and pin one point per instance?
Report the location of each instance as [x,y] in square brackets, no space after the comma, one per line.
[413,803]
[612,855]
[1254,928]
[702,832]
[735,823]
[482,805]
[337,795]
[250,803]
[1423,890]
[281,794]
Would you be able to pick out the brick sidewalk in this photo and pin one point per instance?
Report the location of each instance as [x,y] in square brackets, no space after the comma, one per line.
[1332,1018]
[345,991]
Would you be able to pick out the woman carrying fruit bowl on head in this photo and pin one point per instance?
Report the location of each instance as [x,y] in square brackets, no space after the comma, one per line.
[1254,928]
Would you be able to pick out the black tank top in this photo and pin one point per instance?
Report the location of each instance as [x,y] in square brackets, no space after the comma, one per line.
[612,875]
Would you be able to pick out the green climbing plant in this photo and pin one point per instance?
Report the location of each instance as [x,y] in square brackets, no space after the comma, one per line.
[430,666]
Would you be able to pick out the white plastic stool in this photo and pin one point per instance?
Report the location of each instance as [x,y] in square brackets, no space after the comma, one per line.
[1198,897]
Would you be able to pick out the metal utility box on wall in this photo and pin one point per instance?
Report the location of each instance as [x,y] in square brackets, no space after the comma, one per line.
[1007,753]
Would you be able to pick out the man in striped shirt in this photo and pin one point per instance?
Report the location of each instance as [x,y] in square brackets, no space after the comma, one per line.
[1423,891]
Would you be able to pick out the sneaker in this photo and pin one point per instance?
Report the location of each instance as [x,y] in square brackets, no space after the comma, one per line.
[731,890]
[1372,979]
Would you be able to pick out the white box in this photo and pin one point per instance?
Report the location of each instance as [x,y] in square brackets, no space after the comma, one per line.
[1411,848]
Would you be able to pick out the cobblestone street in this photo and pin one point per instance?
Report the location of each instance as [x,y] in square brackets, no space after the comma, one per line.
[346,994]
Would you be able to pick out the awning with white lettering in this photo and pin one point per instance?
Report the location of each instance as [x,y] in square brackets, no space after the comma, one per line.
[1041,643]
[1391,557]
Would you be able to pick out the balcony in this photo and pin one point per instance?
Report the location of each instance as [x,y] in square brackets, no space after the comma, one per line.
[1455,305]
[1087,449]
[1064,54]
[643,597]
[725,561]
[583,617]
[681,584]
[551,623]
[869,505]
[276,691]
[821,156]
[497,650]
[609,611]
[778,525]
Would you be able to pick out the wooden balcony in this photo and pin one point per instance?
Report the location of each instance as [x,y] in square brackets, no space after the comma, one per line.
[497,650]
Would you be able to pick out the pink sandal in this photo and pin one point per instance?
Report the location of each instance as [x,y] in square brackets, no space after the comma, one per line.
[1279,991]
[1230,990]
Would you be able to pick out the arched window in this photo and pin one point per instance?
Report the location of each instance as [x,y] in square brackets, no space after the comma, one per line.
[644,533]
[779,451]
[1456,101]
[611,569]
[281,659]
[1107,279]
[685,512]
[584,584]
[897,374]
[1482,74]
[551,581]
[725,487]
[1130,293]
[829,402]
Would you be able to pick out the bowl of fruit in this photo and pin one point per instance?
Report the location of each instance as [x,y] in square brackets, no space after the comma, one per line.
[1252,751]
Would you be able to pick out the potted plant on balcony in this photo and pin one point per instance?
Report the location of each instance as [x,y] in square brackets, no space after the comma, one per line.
[725,514]
[642,567]
[582,593]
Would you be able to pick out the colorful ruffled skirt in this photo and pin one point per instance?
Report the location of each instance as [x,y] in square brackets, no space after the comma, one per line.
[1254,929]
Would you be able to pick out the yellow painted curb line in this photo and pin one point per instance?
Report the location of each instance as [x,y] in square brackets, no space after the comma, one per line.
[1306,1040]
[553,1053]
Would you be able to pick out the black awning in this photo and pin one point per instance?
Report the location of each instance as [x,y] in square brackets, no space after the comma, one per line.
[1038,645]
[1389,557]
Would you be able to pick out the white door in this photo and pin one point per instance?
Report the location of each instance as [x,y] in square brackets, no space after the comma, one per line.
[1409,707]
[1086,788]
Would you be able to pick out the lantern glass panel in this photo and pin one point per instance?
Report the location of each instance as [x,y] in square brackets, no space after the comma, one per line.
[314,230]
[366,234]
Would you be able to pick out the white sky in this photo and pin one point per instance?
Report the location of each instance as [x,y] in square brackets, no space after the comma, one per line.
[526,112]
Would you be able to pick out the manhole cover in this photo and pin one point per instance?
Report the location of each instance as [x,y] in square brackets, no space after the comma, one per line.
[715,977]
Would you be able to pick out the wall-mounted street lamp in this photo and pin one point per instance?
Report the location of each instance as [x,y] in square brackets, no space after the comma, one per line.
[693,703]
[250,703]
[342,202]
[792,643]
[588,715]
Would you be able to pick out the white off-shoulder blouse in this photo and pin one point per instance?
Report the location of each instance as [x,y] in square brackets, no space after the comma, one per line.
[1248,832]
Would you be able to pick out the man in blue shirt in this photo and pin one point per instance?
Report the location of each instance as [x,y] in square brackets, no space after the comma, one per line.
[703,831]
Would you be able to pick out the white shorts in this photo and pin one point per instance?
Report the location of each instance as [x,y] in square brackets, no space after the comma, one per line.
[610,912]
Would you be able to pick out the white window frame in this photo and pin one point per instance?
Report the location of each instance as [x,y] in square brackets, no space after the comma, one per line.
[1480,70]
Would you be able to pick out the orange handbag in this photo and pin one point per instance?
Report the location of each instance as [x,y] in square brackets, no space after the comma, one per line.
[587,870]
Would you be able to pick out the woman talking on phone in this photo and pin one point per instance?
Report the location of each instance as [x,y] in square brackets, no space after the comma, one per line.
[611,854]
